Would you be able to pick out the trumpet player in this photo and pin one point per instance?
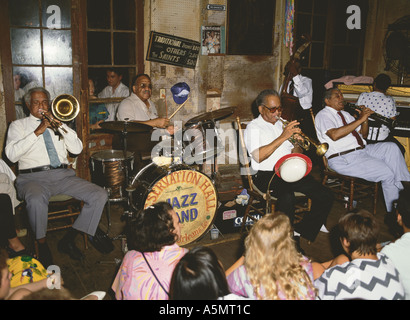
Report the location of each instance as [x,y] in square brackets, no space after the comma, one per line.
[267,141]
[349,154]
[43,172]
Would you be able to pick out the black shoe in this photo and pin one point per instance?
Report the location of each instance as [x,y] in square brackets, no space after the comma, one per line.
[45,256]
[101,242]
[71,249]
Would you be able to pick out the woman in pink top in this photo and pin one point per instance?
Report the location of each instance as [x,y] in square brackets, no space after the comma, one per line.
[146,270]
[272,269]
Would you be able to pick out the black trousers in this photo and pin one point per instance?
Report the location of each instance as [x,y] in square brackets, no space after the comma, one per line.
[7,227]
[322,200]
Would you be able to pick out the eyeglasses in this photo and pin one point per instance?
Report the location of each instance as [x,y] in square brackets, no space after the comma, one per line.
[43,103]
[274,109]
[144,85]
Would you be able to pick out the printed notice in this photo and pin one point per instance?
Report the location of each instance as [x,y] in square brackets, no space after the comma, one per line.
[173,50]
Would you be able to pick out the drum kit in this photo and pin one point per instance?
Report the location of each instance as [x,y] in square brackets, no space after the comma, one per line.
[168,177]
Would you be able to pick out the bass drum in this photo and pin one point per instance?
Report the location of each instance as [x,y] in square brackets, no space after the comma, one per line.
[191,193]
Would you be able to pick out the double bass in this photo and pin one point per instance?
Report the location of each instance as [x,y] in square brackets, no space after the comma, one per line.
[291,108]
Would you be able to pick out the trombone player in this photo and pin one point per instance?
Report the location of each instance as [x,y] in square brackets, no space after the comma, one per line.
[267,141]
[43,172]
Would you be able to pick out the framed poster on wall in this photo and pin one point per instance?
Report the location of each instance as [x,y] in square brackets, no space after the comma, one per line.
[212,40]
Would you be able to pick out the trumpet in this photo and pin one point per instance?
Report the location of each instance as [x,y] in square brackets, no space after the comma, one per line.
[65,108]
[375,116]
[306,142]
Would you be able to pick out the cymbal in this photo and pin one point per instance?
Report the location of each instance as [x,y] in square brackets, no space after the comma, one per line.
[212,115]
[129,126]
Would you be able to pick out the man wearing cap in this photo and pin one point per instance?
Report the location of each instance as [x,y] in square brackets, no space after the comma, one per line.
[267,142]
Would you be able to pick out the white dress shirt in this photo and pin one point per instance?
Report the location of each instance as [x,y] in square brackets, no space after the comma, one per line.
[121,91]
[260,133]
[24,147]
[134,108]
[302,90]
[328,119]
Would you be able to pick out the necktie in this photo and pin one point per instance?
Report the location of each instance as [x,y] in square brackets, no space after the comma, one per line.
[354,132]
[291,87]
[51,150]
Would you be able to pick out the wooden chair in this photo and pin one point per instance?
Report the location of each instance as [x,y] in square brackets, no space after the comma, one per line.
[348,188]
[62,211]
[256,196]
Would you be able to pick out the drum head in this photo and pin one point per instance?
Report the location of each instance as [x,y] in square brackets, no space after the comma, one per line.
[111,155]
[193,197]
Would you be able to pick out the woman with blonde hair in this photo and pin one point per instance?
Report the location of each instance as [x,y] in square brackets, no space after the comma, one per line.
[272,268]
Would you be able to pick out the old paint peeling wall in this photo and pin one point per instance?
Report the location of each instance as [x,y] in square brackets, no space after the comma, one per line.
[238,78]
[179,18]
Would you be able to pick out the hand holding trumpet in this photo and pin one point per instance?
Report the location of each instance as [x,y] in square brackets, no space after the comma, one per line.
[291,130]
[297,137]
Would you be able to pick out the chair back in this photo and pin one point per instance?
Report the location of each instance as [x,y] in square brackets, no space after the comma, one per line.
[243,152]
[374,130]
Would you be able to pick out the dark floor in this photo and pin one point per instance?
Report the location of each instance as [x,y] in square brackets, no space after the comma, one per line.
[98,270]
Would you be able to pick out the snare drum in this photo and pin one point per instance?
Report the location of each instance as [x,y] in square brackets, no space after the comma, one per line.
[109,169]
[201,143]
[191,193]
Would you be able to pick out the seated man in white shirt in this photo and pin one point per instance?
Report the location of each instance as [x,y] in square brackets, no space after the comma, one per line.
[349,154]
[44,173]
[115,89]
[267,142]
[139,107]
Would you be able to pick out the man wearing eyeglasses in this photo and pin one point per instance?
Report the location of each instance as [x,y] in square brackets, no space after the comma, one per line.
[267,141]
[43,172]
[138,107]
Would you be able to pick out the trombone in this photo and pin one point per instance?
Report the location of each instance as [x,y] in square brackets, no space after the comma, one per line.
[306,142]
[65,108]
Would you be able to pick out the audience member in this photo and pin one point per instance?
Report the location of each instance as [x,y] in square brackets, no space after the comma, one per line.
[363,274]
[18,97]
[272,268]
[8,234]
[98,111]
[146,271]
[17,292]
[61,294]
[200,276]
[115,89]
[398,251]
[8,203]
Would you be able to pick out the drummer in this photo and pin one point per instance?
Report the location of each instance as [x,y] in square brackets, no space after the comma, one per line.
[139,107]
